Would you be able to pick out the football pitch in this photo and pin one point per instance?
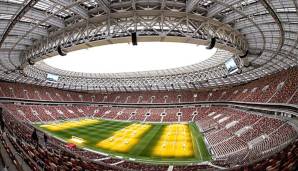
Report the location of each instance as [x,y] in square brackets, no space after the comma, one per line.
[147,142]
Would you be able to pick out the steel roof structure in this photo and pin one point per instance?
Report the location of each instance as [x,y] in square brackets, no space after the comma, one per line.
[32,30]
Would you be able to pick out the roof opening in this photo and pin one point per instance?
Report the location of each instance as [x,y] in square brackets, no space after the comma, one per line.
[124,57]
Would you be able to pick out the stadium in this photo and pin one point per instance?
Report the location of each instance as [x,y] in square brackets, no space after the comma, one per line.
[148,85]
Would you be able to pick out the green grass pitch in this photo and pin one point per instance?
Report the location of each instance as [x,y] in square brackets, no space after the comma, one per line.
[142,150]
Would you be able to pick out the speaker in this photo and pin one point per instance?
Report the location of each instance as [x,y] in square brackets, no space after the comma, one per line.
[59,49]
[1,114]
[243,56]
[30,62]
[1,119]
[134,38]
[212,42]
[247,65]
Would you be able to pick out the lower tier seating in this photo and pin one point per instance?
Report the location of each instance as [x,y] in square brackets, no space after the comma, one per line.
[229,133]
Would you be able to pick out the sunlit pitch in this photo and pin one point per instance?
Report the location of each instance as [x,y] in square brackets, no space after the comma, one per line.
[69,124]
[175,141]
[124,139]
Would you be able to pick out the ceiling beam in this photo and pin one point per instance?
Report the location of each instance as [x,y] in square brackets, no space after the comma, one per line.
[104,4]
[217,8]
[33,14]
[10,45]
[133,3]
[191,4]
[13,39]
[17,18]
[22,27]
[163,4]
[77,9]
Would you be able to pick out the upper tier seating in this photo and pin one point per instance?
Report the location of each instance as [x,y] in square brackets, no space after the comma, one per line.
[270,89]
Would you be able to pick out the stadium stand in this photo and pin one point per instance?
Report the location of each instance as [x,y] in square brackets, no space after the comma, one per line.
[265,90]
[229,132]
[235,107]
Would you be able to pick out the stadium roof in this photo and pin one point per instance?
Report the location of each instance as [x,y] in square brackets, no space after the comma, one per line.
[32,30]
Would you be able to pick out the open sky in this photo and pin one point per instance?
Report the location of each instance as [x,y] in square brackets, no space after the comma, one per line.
[125,57]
